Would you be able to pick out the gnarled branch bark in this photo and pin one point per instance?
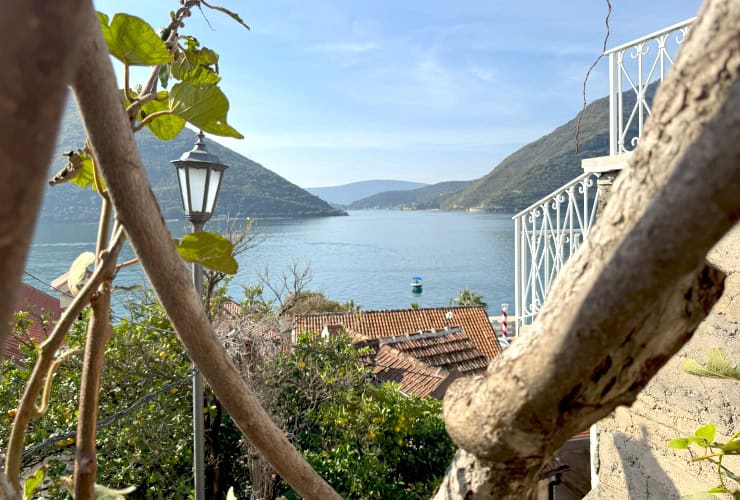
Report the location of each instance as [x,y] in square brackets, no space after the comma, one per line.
[112,140]
[635,292]
[38,56]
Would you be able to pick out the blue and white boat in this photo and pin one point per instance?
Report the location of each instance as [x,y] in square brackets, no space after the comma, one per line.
[416,283]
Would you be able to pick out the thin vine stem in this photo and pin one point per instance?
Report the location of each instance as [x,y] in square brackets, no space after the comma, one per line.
[47,350]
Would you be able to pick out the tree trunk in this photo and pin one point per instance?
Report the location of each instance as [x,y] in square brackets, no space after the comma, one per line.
[634,293]
[110,134]
[38,57]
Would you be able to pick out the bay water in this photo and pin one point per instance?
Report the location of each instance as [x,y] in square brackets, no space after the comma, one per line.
[368,256]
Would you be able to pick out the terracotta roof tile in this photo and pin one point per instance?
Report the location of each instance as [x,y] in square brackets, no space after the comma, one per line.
[39,305]
[473,321]
[451,350]
[415,377]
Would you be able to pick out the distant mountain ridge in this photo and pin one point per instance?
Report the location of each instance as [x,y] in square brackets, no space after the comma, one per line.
[346,194]
[248,189]
[424,198]
[544,165]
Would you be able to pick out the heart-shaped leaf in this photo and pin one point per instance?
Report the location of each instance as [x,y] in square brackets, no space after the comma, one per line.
[133,41]
[210,250]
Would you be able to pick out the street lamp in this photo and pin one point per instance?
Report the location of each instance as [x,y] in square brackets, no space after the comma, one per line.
[199,175]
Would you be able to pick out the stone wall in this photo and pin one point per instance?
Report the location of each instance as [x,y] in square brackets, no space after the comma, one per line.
[633,459]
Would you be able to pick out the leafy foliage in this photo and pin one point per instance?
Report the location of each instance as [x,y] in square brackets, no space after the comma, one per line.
[132,41]
[367,441]
[466,297]
[718,366]
[148,446]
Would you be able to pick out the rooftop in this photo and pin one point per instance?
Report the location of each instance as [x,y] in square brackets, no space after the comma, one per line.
[471,320]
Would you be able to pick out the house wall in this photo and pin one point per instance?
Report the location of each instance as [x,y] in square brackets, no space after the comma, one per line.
[633,458]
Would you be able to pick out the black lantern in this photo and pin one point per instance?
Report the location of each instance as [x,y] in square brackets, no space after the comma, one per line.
[199,174]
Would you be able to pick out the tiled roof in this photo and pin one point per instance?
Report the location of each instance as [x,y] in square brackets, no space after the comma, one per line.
[451,350]
[415,377]
[389,323]
[39,305]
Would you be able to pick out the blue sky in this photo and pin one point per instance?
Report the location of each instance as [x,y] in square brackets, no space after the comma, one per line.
[330,91]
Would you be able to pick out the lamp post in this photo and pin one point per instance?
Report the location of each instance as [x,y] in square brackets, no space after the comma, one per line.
[199,175]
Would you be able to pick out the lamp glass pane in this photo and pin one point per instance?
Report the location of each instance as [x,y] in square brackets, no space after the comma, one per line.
[213,186]
[197,188]
[182,179]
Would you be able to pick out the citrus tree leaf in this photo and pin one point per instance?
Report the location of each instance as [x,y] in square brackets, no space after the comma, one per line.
[133,41]
[78,272]
[164,127]
[198,66]
[210,250]
[203,106]
[33,482]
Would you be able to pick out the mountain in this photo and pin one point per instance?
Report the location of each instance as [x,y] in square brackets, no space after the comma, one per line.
[544,165]
[248,189]
[348,193]
[424,198]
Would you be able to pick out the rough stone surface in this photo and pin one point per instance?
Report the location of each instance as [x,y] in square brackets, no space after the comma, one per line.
[634,459]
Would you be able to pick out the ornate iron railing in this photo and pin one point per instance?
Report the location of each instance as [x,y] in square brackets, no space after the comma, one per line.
[547,233]
[634,70]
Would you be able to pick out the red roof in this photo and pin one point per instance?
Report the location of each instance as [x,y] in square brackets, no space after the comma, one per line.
[40,306]
[473,321]
[415,376]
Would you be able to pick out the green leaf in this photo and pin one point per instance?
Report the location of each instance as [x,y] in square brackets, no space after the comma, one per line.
[679,443]
[133,41]
[210,250]
[707,432]
[197,66]
[718,366]
[231,14]
[731,448]
[204,107]
[33,482]
[718,489]
[78,272]
[164,127]
[84,177]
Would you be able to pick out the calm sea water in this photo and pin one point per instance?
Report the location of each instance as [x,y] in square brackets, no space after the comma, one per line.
[368,257]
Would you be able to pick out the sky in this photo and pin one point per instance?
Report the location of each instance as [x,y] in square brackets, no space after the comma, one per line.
[335,91]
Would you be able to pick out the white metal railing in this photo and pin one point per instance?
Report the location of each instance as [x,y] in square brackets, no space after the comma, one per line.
[633,67]
[547,233]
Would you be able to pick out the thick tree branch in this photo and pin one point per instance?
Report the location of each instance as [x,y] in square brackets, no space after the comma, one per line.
[112,139]
[634,293]
[39,41]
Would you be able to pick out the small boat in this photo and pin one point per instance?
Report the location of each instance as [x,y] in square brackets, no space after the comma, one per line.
[416,284]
